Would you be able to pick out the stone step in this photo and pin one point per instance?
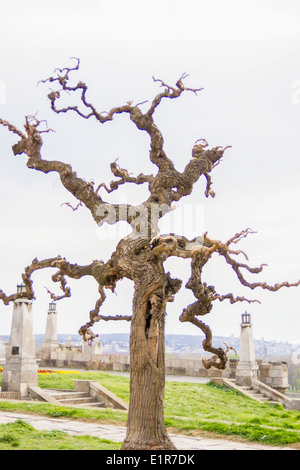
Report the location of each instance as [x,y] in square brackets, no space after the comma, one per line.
[258,391]
[258,395]
[65,394]
[78,401]
[94,404]
[252,391]
[71,397]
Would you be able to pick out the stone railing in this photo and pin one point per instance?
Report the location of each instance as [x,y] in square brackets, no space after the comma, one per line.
[272,373]
[271,393]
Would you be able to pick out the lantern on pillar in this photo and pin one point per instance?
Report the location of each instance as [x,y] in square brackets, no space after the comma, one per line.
[246,318]
[52,307]
[21,288]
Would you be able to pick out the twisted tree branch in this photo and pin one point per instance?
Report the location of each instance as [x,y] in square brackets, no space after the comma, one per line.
[62,79]
[86,331]
[64,269]
[124,178]
[12,128]
[170,92]
[169,185]
[31,145]
[200,250]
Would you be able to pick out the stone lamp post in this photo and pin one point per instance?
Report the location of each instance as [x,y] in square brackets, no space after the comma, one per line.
[247,367]
[20,369]
[50,343]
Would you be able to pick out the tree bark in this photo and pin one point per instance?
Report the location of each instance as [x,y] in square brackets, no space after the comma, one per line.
[146,427]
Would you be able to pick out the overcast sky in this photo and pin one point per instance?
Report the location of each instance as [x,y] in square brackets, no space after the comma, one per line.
[246,57]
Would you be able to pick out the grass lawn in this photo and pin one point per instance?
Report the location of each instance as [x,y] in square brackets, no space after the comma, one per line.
[21,436]
[189,408]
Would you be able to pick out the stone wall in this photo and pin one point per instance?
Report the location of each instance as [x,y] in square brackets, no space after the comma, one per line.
[74,357]
[68,355]
[274,374]
[230,371]
[191,367]
[271,373]
[10,395]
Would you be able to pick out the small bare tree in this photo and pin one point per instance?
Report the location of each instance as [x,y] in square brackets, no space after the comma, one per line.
[140,256]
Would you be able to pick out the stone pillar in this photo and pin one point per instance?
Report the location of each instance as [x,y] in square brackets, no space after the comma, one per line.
[50,342]
[20,369]
[247,367]
[97,347]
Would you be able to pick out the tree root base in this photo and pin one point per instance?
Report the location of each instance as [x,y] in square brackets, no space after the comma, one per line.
[166,445]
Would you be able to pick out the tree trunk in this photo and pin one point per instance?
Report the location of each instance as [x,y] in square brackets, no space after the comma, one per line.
[146,428]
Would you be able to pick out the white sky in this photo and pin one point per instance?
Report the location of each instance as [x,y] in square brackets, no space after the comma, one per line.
[245,55]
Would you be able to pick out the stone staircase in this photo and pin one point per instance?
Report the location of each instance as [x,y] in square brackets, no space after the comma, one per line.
[74,398]
[86,393]
[255,394]
[258,391]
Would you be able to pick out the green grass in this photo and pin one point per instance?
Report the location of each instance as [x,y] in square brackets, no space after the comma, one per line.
[226,412]
[54,411]
[21,436]
[189,407]
[117,384]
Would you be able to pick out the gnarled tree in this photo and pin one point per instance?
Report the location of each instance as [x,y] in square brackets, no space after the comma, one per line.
[139,256]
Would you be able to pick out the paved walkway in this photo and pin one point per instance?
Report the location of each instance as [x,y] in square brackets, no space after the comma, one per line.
[117,433]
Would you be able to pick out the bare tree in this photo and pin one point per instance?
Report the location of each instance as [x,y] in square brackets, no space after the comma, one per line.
[140,256]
